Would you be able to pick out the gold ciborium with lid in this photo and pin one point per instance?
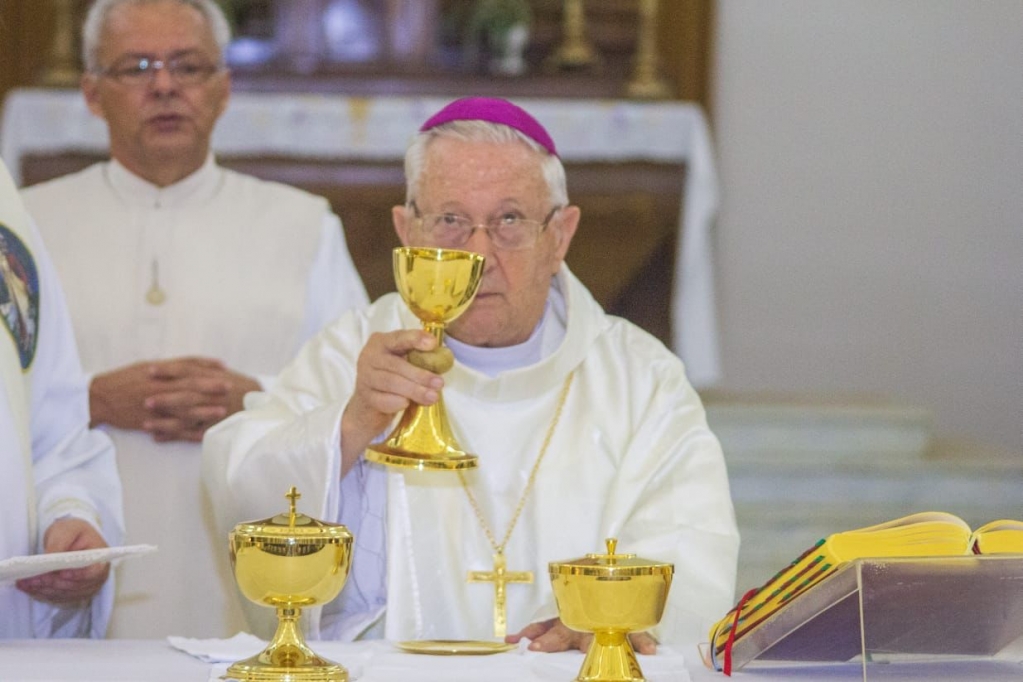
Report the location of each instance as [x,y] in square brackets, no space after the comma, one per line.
[437,285]
[289,562]
[610,595]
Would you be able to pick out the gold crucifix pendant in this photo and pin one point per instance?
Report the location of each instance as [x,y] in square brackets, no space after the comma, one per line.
[500,576]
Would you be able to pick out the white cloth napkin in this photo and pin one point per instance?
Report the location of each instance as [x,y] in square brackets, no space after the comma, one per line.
[230,650]
[218,672]
[220,653]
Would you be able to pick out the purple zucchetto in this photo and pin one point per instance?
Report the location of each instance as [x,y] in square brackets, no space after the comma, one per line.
[493,110]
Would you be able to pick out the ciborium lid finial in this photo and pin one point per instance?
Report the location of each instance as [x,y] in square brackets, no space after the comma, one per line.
[293,497]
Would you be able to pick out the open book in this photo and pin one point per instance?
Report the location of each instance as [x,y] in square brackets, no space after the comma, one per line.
[925,534]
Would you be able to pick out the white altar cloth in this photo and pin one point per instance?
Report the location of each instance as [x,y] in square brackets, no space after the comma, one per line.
[379,128]
[78,660]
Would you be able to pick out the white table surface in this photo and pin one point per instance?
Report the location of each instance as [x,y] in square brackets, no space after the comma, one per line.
[157,661]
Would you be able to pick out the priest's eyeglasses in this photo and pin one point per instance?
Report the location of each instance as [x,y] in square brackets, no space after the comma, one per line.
[138,71]
[508,231]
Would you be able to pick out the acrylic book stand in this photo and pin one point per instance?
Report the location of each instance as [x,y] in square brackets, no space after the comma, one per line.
[890,610]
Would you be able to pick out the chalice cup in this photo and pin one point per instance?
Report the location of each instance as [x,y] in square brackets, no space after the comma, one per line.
[610,595]
[289,562]
[437,285]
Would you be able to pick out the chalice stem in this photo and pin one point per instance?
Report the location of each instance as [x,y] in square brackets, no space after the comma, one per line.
[438,332]
[287,627]
[287,658]
[288,647]
[610,658]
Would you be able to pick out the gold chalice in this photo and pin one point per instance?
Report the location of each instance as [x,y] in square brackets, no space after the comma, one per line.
[610,595]
[438,285]
[289,562]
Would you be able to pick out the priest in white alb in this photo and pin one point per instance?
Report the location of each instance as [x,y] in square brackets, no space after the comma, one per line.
[585,425]
[189,285]
[60,486]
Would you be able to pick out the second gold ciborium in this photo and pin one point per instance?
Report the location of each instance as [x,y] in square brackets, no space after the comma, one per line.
[437,285]
[289,562]
[611,595]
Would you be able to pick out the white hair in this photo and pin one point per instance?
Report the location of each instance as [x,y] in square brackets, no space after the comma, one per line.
[482,131]
[99,12]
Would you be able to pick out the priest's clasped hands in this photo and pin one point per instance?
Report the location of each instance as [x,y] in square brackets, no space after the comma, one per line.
[173,399]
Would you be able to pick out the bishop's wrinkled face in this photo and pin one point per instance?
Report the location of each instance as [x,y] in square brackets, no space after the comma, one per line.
[158,117]
[483,182]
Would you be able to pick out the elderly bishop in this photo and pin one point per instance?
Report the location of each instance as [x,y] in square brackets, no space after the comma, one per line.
[585,425]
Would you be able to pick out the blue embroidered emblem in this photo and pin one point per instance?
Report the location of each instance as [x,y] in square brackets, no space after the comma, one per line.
[19,294]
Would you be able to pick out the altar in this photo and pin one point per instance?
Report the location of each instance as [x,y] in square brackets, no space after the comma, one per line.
[642,172]
[79,660]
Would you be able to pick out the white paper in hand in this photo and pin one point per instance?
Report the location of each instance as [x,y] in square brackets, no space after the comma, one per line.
[20,567]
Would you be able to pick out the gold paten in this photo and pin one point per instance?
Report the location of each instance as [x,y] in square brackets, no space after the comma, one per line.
[438,285]
[289,562]
[610,595]
[453,647]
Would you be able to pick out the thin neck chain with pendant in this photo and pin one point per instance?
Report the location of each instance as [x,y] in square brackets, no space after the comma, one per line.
[499,547]
[155,295]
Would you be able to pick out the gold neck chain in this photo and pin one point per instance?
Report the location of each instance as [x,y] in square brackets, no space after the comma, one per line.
[499,548]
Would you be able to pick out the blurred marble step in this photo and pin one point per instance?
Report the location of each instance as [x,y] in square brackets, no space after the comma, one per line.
[800,429]
[785,506]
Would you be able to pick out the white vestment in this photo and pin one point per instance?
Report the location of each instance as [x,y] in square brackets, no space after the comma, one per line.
[250,270]
[631,457]
[51,464]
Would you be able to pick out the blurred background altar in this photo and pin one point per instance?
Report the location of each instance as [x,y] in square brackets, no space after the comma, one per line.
[329,91]
[832,187]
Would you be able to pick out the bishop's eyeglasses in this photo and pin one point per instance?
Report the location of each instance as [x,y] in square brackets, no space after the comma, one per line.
[137,71]
[508,231]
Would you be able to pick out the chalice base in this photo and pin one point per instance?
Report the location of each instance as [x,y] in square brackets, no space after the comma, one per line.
[610,658]
[313,669]
[422,440]
[384,454]
[287,658]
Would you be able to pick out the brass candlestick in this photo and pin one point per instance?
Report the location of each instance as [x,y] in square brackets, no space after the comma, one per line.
[437,285]
[646,83]
[61,68]
[575,51]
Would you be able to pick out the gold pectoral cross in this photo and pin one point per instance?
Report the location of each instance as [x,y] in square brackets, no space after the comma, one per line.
[500,576]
